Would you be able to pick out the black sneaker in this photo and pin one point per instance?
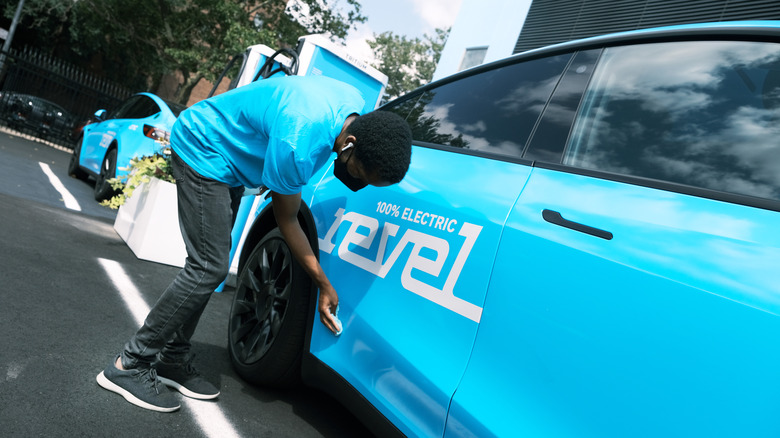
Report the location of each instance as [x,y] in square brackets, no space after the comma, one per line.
[139,386]
[185,378]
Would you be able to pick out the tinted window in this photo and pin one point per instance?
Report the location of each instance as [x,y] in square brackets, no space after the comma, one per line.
[175,108]
[402,106]
[553,130]
[705,114]
[493,111]
[144,106]
[123,108]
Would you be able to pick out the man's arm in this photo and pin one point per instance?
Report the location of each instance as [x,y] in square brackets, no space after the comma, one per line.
[286,212]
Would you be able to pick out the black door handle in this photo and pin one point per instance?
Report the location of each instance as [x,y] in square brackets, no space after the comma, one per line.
[554,217]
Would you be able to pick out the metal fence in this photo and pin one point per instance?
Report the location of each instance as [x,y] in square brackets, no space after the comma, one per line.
[50,99]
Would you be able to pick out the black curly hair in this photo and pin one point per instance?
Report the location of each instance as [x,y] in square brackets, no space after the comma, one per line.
[383,144]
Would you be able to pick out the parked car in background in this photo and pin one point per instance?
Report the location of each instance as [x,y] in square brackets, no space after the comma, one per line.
[138,127]
[586,245]
[39,116]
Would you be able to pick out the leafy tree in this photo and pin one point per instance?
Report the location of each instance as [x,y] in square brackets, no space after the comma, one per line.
[317,17]
[49,18]
[407,62]
[139,42]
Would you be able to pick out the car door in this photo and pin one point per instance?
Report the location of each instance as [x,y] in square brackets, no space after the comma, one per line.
[635,289]
[411,262]
[99,136]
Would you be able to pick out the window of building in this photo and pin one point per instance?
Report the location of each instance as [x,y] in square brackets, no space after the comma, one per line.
[555,21]
[472,57]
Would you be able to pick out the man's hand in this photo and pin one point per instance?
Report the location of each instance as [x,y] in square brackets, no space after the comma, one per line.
[329,300]
[286,213]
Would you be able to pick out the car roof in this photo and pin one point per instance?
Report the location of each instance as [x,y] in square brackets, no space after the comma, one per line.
[11,94]
[714,30]
[175,108]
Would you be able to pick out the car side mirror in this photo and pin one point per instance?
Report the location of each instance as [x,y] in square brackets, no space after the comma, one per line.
[100,115]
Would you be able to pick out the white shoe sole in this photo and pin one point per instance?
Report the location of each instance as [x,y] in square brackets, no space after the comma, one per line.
[185,391]
[113,387]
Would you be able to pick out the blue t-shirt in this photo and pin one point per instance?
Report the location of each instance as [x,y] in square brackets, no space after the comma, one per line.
[275,132]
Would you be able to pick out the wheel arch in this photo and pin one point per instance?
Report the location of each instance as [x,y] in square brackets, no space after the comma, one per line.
[122,160]
[79,143]
[266,221]
[314,372]
[75,169]
[263,224]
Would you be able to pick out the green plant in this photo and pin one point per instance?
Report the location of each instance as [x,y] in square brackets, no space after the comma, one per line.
[142,170]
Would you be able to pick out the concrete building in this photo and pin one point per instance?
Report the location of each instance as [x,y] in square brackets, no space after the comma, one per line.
[488,30]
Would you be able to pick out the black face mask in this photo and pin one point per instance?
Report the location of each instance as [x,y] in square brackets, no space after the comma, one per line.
[340,172]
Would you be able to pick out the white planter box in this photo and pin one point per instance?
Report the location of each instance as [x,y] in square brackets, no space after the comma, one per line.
[149,223]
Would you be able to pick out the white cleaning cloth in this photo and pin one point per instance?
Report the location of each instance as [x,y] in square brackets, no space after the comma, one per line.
[338,321]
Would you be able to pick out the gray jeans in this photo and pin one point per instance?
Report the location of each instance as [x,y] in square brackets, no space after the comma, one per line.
[206,214]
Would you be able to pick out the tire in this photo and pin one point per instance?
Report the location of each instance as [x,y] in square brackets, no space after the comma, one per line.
[103,189]
[268,316]
[74,170]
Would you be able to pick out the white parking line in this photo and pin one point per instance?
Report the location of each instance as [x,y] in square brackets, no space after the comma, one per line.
[130,294]
[70,200]
[210,418]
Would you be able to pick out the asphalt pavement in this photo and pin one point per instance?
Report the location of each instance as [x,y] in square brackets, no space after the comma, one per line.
[63,318]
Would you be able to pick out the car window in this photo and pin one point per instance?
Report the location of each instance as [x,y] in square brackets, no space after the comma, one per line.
[552,131]
[493,111]
[120,111]
[176,108]
[52,107]
[143,107]
[704,114]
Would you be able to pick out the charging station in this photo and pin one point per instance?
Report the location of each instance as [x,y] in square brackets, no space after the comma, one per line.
[315,55]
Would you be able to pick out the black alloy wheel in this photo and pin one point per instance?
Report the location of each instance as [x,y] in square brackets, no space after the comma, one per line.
[268,316]
[103,189]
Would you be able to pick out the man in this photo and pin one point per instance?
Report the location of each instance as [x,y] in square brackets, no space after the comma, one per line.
[275,133]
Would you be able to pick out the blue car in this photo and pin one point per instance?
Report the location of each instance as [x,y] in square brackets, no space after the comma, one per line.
[138,127]
[587,244]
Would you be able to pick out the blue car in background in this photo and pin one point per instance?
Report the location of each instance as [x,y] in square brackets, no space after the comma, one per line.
[138,127]
[586,245]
